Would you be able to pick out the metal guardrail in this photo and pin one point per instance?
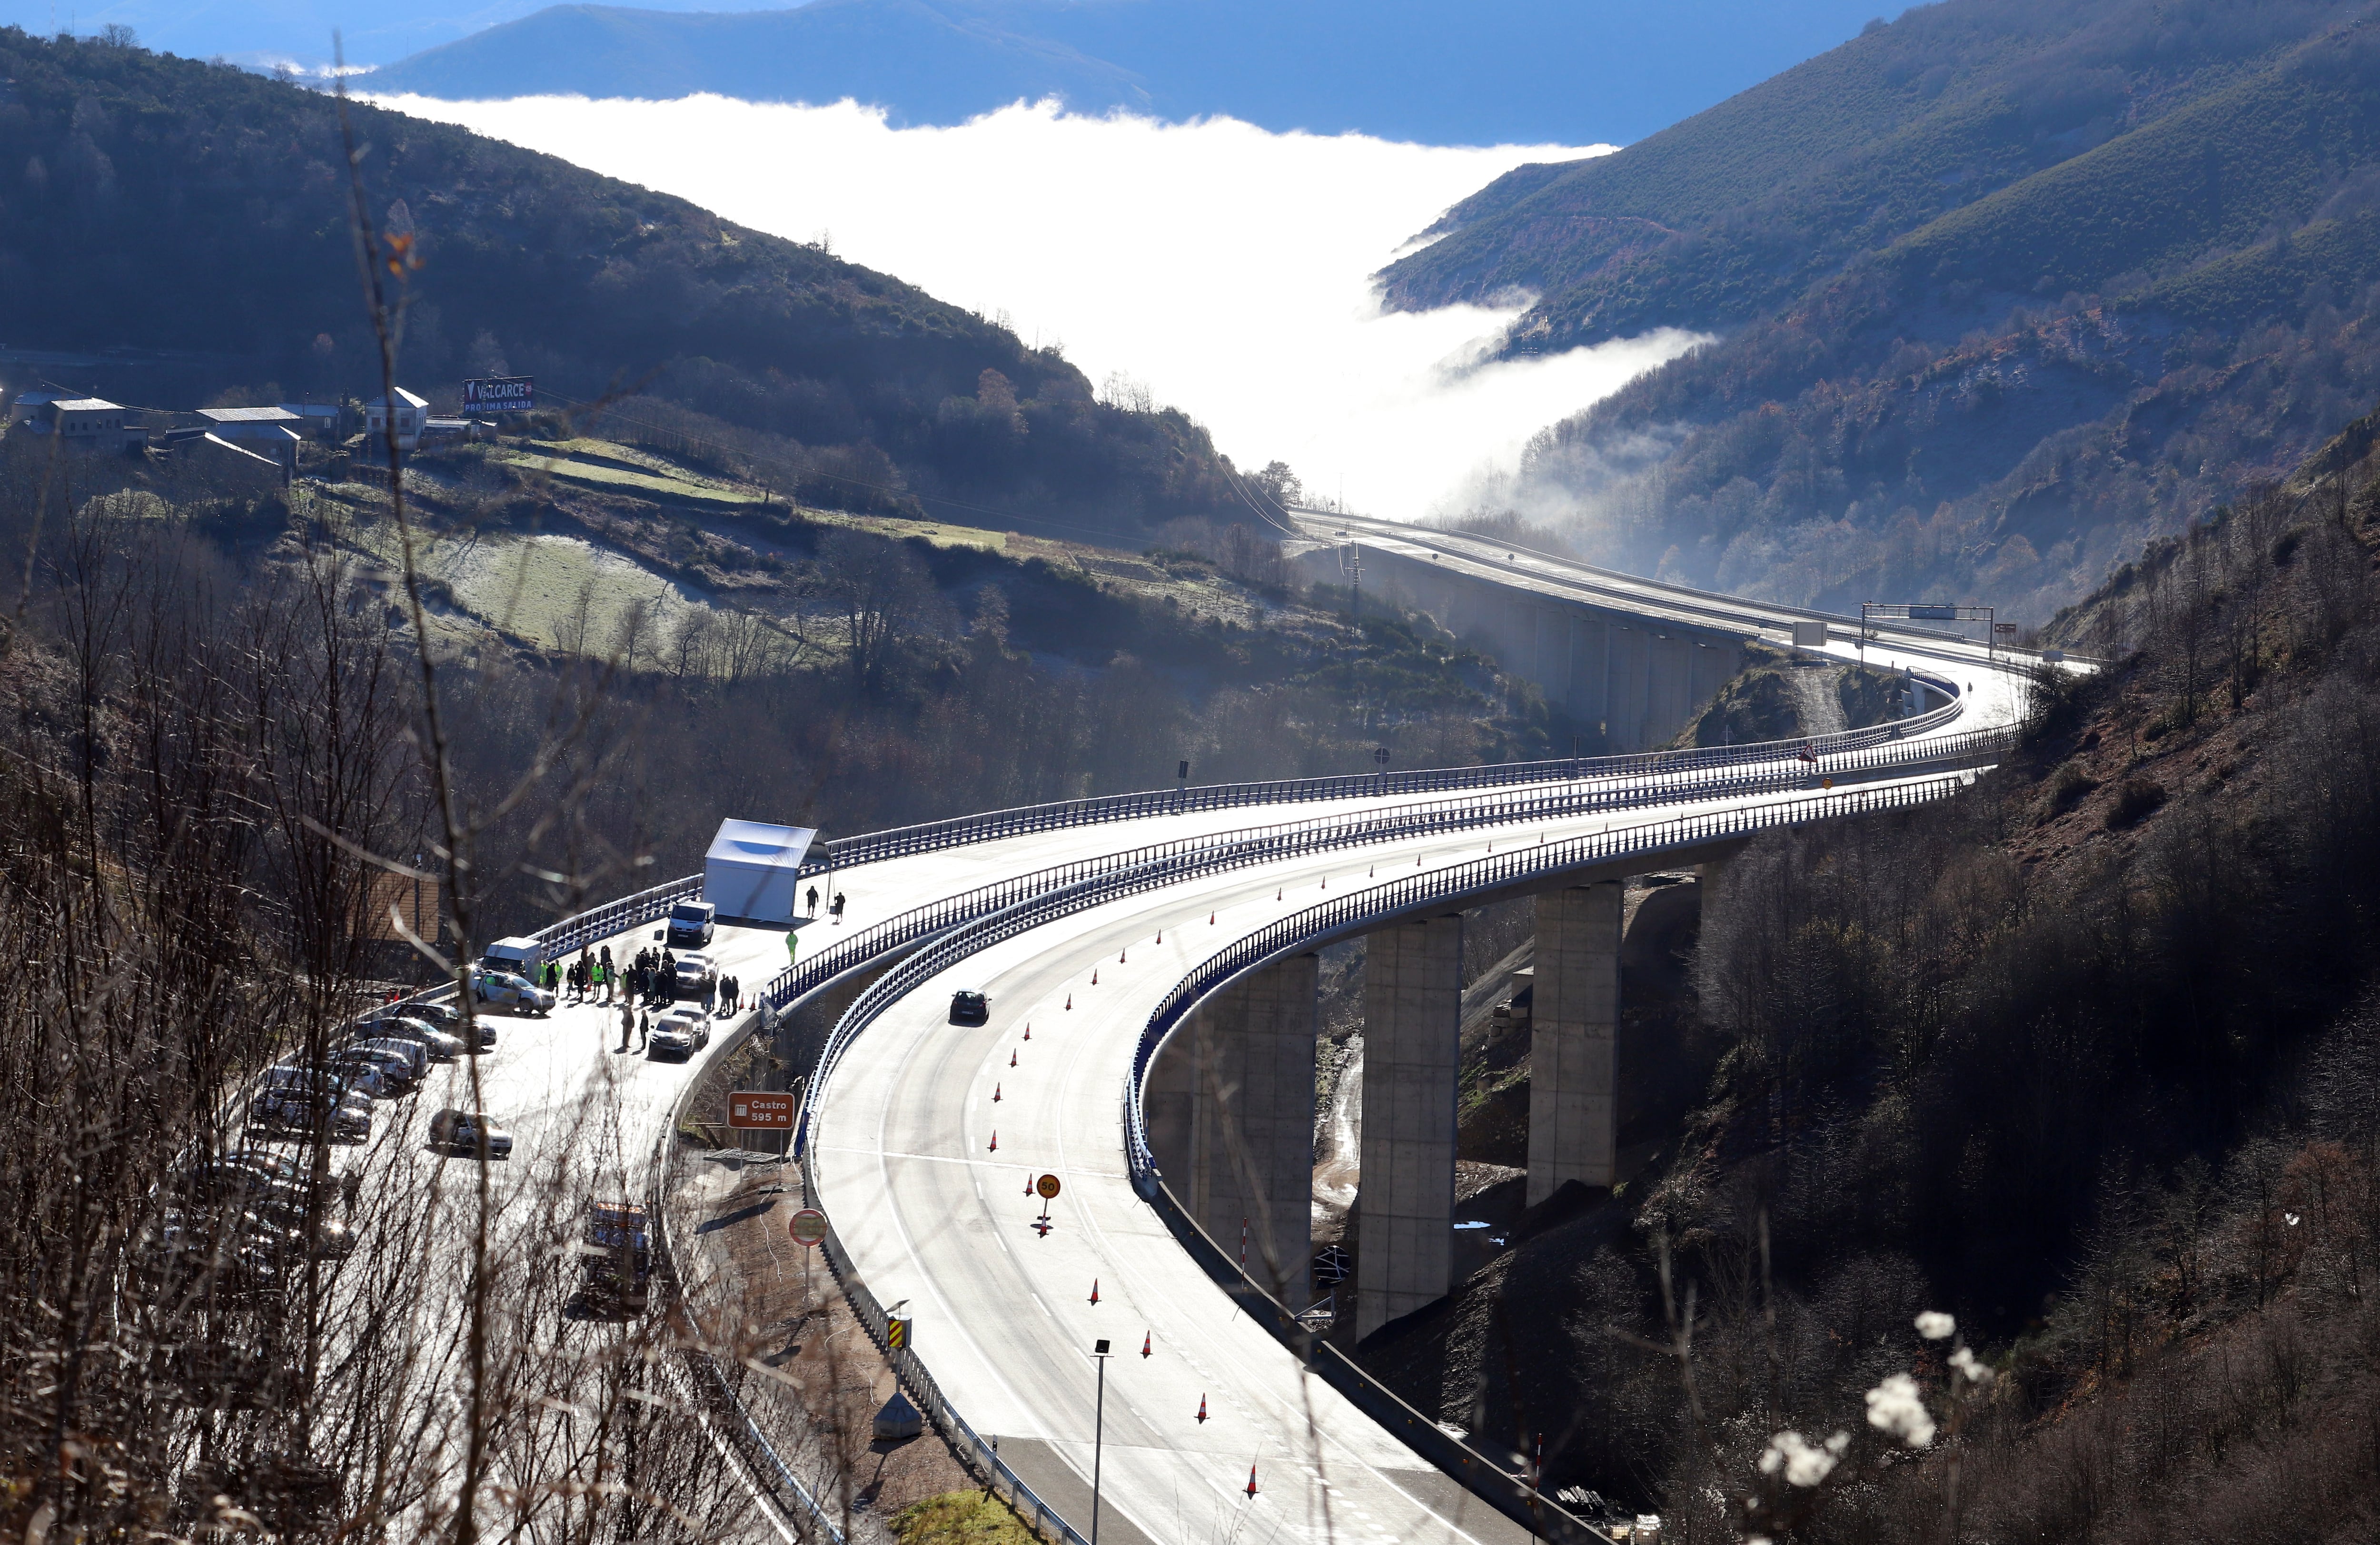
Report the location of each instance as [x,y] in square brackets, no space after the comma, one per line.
[926,1393]
[1091,882]
[901,841]
[614,917]
[1565,798]
[711,1387]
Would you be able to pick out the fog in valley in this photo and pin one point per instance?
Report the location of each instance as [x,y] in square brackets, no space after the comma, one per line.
[1217,267]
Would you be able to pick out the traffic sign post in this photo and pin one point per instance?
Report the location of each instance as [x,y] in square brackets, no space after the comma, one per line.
[1047,1188]
[809,1230]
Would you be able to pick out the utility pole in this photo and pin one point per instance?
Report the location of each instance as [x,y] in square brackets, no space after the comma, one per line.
[1099,1431]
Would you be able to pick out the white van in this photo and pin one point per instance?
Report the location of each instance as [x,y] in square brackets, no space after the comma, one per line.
[523,956]
[691,924]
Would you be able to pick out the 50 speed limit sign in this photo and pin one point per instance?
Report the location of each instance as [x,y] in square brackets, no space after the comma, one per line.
[808,1227]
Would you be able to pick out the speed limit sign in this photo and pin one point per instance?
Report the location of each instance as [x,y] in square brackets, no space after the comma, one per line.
[808,1227]
[1047,1188]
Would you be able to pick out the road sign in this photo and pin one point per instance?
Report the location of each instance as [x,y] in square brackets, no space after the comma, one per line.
[760,1111]
[1047,1188]
[896,1334]
[1380,755]
[808,1227]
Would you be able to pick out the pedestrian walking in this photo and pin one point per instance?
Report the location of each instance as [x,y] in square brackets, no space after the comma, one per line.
[813,901]
[838,908]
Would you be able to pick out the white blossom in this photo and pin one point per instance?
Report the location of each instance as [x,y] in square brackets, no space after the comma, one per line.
[1934,1325]
[1969,1364]
[1804,1461]
[1894,1406]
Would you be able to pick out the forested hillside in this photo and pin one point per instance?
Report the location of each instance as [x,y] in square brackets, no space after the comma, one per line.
[1999,290]
[201,212]
[2087,1059]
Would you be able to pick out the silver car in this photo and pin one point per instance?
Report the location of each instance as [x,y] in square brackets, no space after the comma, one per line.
[682,1030]
[460,1132]
[412,1055]
[695,972]
[503,990]
[440,1045]
[438,1017]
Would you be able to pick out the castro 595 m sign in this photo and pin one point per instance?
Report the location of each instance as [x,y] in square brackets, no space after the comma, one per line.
[501,394]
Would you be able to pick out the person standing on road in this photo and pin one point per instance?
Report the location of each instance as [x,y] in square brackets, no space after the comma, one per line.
[838,908]
[644,1028]
[627,1023]
[813,901]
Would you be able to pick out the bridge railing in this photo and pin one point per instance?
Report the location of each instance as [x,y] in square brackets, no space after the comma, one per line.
[930,836]
[927,1393]
[1008,908]
[1530,802]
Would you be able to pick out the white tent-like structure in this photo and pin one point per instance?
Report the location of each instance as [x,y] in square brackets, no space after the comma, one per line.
[751,870]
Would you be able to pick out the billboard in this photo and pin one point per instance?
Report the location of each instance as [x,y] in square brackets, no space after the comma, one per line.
[1933,611]
[500,394]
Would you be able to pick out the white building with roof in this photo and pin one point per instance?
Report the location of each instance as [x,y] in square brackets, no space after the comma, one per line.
[411,413]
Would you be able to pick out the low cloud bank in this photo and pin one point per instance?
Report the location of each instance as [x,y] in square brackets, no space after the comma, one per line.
[1222,268]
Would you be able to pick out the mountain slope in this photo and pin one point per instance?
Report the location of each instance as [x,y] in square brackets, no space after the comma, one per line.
[1505,71]
[2002,396]
[173,206]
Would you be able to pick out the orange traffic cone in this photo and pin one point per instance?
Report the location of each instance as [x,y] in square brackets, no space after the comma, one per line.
[1070,1000]
[1028,1182]
[995,1140]
[1028,1032]
[1373,870]
[1202,1407]
[1095,976]
[1012,1056]
[1160,936]
[1211,919]
[1276,893]
[1252,1480]
[1326,882]
[995,1089]
[1144,1343]
[1095,1290]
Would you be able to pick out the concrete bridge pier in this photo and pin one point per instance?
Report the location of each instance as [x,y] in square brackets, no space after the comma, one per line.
[1231,1121]
[1412,1009]
[1573,1040]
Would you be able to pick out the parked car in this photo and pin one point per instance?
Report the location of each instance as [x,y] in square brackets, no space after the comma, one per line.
[441,1046]
[461,1132]
[440,1017]
[278,1223]
[396,1071]
[691,925]
[969,1007]
[274,1166]
[295,1099]
[503,990]
[362,1073]
[616,1251]
[413,1055]
[695,973]
[682,1030]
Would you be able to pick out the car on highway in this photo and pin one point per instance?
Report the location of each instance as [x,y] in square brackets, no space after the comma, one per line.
[441,1046]
[695,974]
[969,1007]
[682,1030]
[504,990]
[295,1099]
[463,1131]
[691,925]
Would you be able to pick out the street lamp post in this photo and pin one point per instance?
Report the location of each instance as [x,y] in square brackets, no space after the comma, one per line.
[1099,1431]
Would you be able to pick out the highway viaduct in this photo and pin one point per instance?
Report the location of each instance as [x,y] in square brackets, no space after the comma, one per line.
[1151,964]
